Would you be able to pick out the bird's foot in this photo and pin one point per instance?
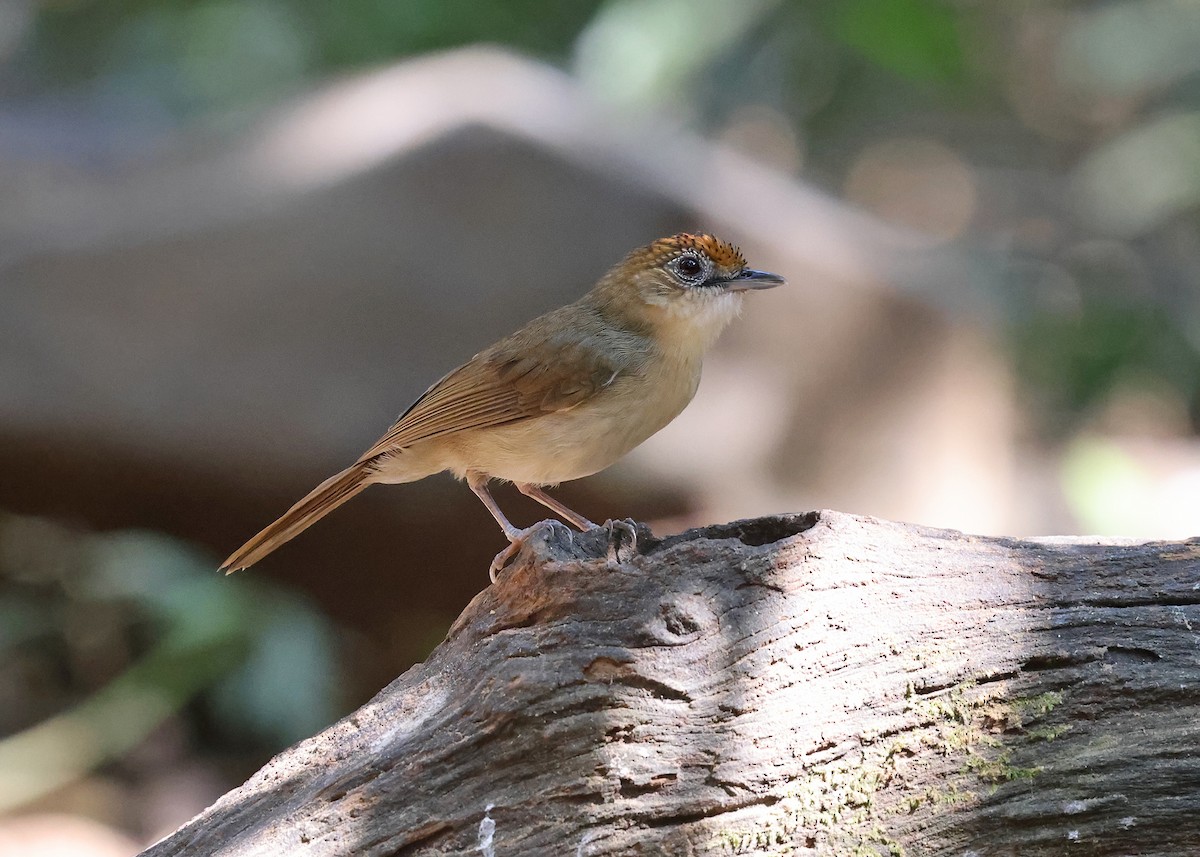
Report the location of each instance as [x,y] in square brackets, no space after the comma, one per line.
[502,559]
[517,539]
[622,541]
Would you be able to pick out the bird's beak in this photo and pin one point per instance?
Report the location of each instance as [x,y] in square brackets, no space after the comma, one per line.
[751,279]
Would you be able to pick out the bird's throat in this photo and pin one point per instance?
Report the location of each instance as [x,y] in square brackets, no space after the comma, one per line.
[692,324]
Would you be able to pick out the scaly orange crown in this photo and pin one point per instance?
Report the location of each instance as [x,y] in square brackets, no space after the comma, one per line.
[723,254]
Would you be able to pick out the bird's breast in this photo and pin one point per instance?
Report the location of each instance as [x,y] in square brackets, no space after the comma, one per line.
[579,441]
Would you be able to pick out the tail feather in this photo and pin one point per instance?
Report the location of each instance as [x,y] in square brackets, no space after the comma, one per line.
[319,502]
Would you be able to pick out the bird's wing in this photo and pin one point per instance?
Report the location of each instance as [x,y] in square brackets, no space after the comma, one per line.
[503,385]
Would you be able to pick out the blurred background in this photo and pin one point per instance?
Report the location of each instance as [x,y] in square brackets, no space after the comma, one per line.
[237,237]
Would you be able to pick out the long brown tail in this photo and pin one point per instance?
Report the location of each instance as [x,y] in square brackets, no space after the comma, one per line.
[318,503]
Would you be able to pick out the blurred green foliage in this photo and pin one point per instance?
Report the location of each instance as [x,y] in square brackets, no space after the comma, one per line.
[1076,359]
[193,57]
[916,39]
[107,637]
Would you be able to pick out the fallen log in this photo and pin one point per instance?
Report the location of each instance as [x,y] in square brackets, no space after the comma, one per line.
[814,683]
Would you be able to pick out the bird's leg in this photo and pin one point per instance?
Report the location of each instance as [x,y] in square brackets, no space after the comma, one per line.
[478,483]
[530,490]
[516,538]
[617,529]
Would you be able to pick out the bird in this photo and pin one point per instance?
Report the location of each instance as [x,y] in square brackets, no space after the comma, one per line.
[562,398]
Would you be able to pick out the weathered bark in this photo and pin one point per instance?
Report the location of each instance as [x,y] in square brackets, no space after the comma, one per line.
[819,681]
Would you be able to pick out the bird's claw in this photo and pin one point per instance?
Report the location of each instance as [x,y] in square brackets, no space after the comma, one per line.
[502,559]
[517,539]
[616,531]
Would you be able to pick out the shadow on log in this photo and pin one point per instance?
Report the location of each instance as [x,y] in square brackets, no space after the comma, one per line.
[817,683]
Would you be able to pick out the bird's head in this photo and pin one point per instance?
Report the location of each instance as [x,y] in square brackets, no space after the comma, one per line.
[684,286]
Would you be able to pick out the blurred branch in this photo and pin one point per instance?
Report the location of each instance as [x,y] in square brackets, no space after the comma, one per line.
[351,127]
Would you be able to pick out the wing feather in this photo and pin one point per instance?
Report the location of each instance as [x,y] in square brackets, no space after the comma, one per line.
[509,382]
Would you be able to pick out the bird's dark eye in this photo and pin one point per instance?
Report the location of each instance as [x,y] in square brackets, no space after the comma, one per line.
[689,267]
